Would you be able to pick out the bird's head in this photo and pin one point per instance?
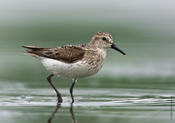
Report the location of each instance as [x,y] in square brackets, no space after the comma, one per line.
[104,40]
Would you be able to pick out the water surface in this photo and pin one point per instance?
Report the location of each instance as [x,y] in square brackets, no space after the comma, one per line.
[20,103]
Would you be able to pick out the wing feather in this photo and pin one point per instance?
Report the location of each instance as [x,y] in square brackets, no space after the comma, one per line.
[68,54]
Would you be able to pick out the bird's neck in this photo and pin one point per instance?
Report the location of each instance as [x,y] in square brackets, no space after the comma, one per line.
[102,52]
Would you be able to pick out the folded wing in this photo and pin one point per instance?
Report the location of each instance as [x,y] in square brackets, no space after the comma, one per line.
[68,54]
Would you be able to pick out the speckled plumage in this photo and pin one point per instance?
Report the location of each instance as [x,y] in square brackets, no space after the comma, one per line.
[77,60]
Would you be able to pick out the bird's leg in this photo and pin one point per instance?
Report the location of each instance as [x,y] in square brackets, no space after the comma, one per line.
[71,89]
[60,100]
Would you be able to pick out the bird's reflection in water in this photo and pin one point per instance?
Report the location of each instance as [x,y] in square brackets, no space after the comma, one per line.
[58,106]
[72,113]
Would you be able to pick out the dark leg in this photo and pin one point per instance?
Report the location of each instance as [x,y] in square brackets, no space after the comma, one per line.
[60,100]
[71,89]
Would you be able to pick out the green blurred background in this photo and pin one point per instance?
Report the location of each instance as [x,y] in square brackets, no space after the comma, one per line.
[144,29]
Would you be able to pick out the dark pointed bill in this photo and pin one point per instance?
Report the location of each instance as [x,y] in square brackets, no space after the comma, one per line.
[113,46]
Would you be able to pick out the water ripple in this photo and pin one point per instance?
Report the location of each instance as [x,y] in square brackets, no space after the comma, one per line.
[86,97]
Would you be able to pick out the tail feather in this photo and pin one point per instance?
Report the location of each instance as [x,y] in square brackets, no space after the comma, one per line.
[32,47]
[32,50]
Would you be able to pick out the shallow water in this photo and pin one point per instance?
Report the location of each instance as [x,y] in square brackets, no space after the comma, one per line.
[100,105]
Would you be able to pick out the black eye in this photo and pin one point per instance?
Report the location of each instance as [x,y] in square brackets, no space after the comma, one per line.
[104,38]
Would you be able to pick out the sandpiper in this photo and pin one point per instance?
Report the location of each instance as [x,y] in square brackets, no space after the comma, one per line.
[74,61]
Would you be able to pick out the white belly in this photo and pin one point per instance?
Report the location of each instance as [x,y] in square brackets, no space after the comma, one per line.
[73,70]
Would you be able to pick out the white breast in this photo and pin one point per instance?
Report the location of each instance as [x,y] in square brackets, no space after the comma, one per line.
[69,70]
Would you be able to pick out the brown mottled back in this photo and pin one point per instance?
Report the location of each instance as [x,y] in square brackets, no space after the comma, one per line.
[68,54]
